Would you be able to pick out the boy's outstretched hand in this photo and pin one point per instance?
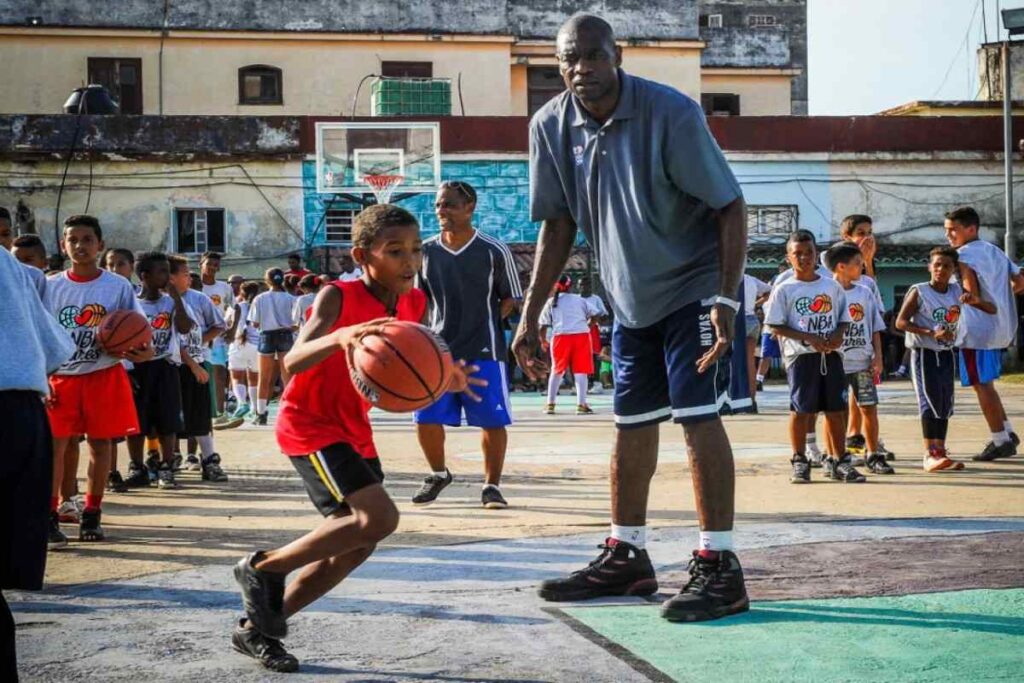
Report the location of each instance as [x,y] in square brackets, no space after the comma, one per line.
[139,355]
[462,380]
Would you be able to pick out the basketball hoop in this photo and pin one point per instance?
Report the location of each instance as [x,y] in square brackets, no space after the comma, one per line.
[383,186]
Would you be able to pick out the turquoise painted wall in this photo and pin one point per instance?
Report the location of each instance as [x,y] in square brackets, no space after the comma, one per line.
[503,196]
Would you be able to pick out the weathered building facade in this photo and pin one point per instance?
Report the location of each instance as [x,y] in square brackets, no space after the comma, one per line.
[250,180]
[317,58]
[755,56]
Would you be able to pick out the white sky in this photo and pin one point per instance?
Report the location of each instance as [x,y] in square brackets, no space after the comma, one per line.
[868,55]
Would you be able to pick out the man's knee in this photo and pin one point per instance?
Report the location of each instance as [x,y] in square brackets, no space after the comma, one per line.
[375,527]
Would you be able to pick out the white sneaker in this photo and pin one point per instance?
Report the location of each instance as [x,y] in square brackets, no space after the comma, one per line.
[597,389]
[69,512]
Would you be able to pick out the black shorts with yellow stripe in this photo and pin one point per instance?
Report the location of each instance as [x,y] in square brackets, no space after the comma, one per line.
[334,472]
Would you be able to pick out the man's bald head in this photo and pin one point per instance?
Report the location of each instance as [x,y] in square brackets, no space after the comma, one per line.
[581,22]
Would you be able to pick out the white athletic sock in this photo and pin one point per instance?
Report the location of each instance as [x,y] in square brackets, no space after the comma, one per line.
[999,438]
[760,377]
[261,405]
[553,382]
[1008,427]
[443,474]
[581,389]
[634,535]
[241,393]
[716,540]
[253,395]
[491,486]
[206,445]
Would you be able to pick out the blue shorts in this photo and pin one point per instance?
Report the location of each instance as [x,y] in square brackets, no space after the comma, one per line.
[817,383]
[656,374]
[276,342]
[932,374]
[770,346]
[219,352]
[980,366]
[493,411]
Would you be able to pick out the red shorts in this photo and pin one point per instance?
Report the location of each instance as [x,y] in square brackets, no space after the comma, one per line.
[573,351]
[595,339]
[99,405]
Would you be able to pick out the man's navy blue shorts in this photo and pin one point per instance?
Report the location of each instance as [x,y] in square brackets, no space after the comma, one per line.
[656,374]
[817,383]
[932,373]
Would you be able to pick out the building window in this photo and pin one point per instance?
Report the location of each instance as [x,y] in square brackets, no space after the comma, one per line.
[198,230]
[259,84]
[780,219]
[710,21]
[338,225]
[407,69]
[757,20]
[542,83]
[720,104]
[122,77]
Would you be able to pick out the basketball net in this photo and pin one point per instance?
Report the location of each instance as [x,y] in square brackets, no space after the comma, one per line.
[383,186]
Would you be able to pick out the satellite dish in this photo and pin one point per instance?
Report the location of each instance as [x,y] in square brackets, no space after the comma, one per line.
[92,99]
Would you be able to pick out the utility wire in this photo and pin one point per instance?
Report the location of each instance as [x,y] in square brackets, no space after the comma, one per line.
[963,44]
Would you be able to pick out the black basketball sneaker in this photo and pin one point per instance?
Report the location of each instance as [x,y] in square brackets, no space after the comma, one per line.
[620,569]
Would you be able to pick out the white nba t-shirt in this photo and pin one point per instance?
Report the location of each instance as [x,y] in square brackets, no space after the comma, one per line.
[982,330]
[817,307]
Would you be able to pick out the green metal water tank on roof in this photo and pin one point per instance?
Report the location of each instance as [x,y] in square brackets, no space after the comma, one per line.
[411,97]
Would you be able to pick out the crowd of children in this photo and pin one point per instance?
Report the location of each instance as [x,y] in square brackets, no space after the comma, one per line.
[825,319]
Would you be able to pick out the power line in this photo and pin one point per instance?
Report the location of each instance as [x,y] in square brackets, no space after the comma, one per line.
[956,56]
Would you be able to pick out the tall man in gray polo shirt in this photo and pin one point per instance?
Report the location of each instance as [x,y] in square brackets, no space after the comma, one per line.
[633,164]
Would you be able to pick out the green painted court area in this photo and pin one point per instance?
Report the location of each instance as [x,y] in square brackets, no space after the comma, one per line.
[973,635]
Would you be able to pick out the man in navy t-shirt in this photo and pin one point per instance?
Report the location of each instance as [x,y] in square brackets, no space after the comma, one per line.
[471,284]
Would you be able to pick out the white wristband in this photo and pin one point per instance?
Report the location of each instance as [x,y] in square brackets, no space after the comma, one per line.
[725,301]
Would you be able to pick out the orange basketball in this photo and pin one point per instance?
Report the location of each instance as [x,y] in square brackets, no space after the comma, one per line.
[404,369]
[123,331]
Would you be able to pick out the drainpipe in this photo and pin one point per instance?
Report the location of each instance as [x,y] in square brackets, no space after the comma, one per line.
[1010,243]
[160,59]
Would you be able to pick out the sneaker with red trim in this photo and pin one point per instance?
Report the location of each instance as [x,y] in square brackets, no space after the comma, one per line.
[620,569]
[936,460]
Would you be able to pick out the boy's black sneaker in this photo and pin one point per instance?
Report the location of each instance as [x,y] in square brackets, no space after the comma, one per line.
[716,589]
[89,528]
[212,470]
[492,499]
[267,651]
[620,569]
[432,487]
[994,452]
[262,597]
[1015,439]
[760,385]
[191,463]
[876,464]
[55,537]
[843,470]
[116,483]
[260,420]
[801,469]
[138,476]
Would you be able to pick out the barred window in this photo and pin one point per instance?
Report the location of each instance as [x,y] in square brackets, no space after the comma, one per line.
[780,219]
[338,225]
[756,20]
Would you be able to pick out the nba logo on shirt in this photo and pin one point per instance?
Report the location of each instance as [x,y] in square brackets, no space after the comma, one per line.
[577,152]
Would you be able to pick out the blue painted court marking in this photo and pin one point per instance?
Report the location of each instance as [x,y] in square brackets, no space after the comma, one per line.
[971,635]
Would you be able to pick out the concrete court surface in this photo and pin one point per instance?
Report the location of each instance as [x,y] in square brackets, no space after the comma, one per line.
[451,596]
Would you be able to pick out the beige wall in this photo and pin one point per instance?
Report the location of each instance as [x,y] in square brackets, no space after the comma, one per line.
[518,100]
[678,67]
[760,95]
[201,72]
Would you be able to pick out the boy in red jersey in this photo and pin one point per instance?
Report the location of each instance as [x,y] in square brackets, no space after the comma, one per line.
[324,428]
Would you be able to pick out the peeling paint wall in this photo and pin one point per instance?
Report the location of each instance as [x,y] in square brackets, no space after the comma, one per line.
[739,45]
[135,202]
[661,19]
